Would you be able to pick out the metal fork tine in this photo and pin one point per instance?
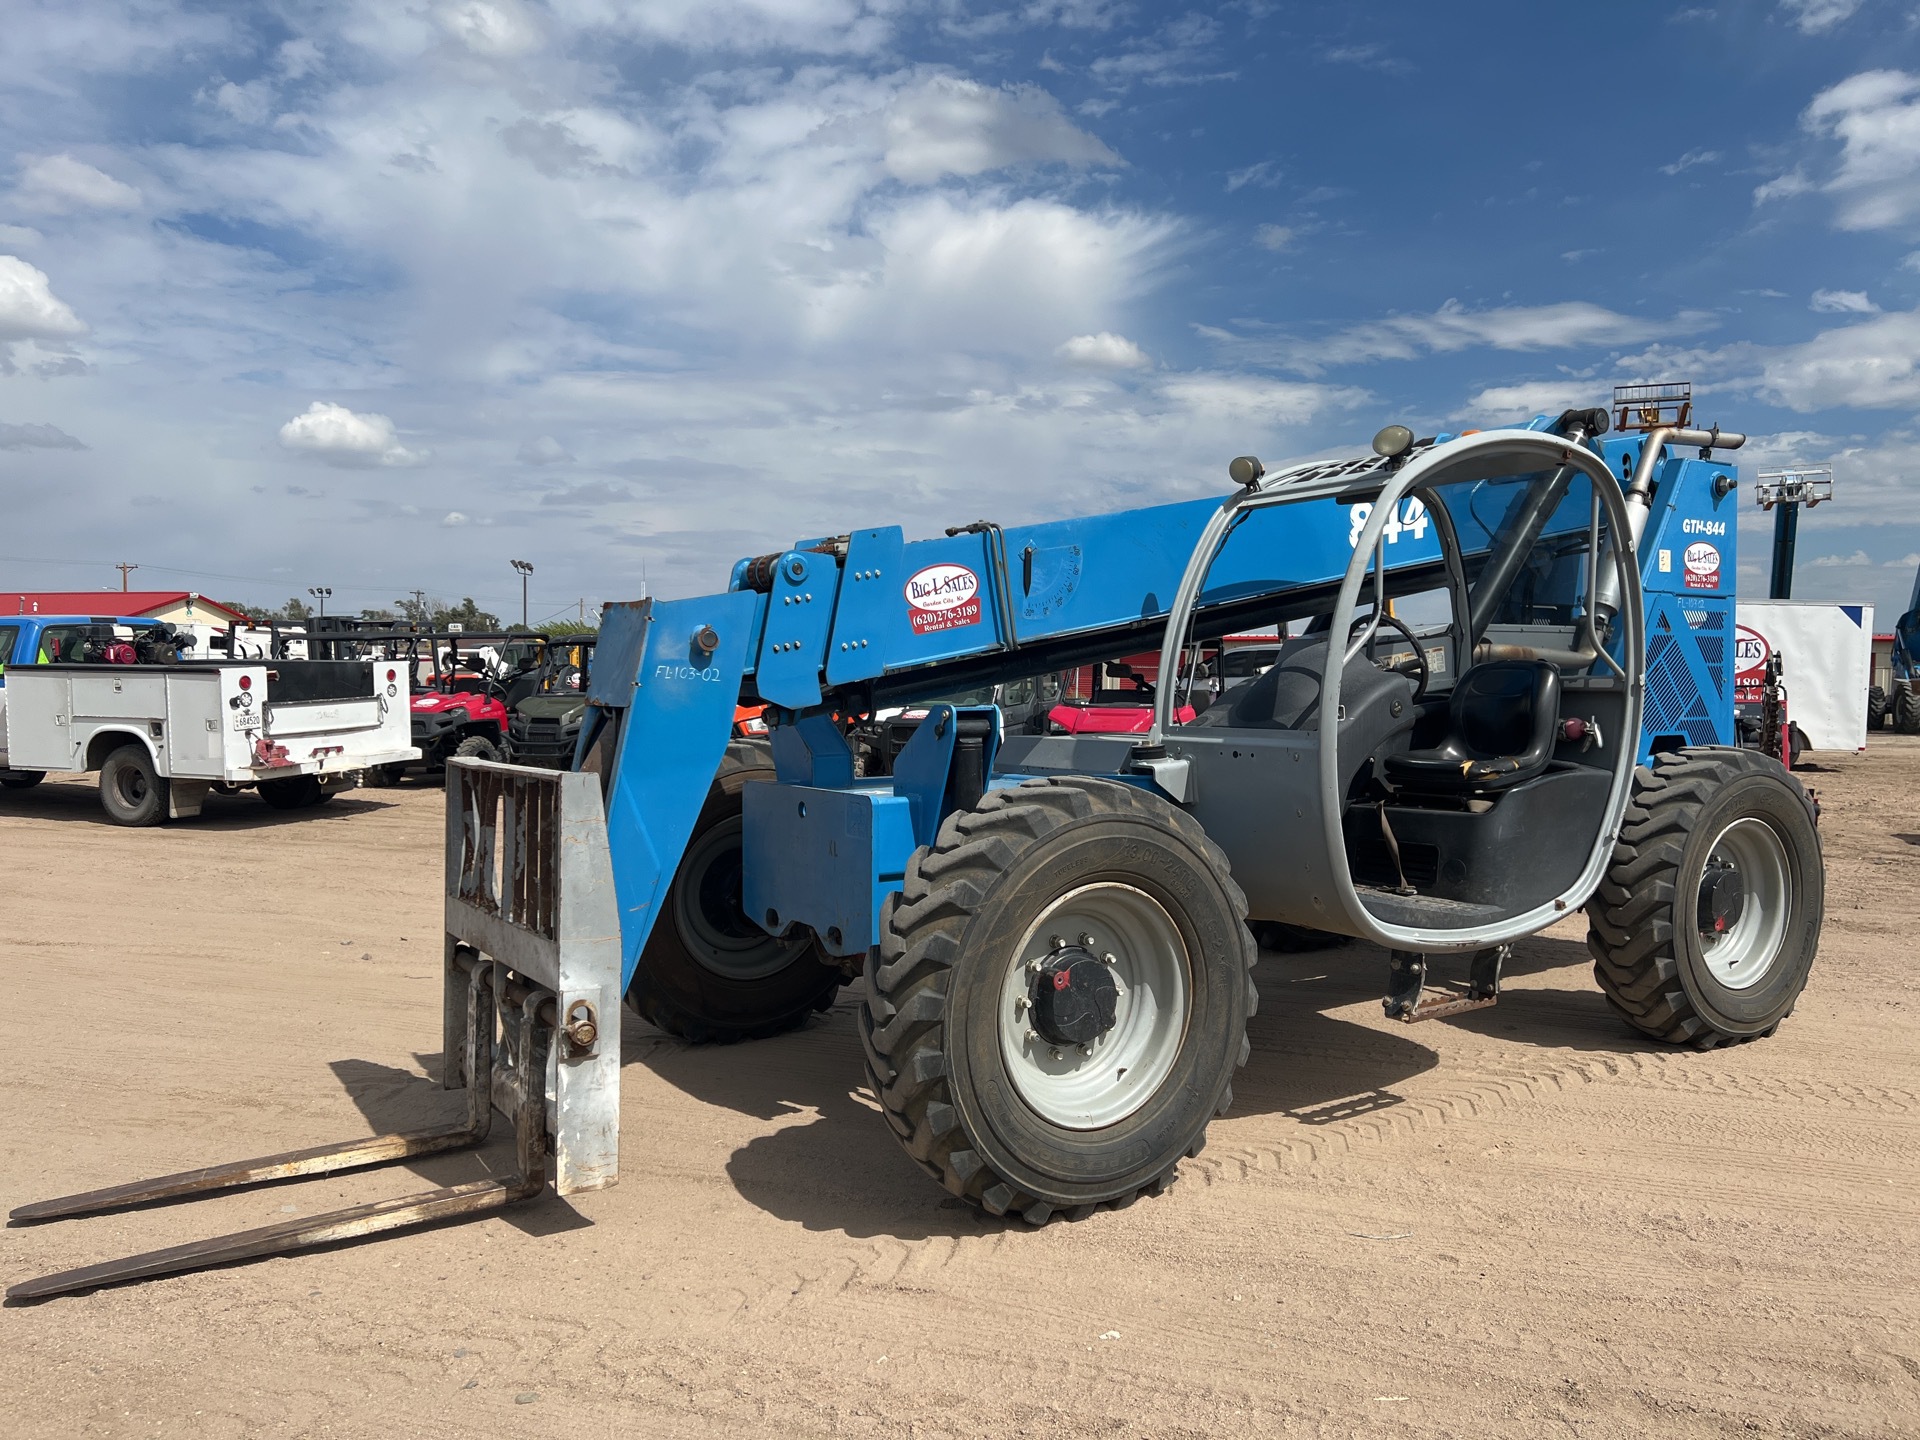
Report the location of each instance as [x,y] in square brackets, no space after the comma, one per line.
[317,1160]
[357,1221]
[352,1223]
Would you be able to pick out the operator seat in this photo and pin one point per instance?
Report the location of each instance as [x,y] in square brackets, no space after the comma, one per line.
[1377,708]
[1503,719]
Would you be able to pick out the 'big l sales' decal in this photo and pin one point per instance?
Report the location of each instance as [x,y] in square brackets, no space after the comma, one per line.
[942,597]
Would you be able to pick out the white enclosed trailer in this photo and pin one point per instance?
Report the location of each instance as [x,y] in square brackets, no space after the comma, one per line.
[1826,663]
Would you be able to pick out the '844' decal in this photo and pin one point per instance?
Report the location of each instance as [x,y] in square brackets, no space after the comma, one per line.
[1410,519]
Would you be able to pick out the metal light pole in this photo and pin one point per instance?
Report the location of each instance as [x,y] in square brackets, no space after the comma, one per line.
[525,568]
[1788,490]
[320,593]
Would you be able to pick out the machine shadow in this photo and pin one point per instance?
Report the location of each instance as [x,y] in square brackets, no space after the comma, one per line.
[80,803]
[842,1171]
[390,1098]
[1574,1016]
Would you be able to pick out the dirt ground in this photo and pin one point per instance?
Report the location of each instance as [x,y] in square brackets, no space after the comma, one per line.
[1525,1222]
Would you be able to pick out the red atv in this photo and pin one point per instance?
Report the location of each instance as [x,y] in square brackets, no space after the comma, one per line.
[1123,708]
[461,706]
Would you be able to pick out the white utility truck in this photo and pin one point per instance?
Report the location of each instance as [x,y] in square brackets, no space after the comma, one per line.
[111,694]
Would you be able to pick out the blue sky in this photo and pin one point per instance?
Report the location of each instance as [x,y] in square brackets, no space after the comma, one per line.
[379,295]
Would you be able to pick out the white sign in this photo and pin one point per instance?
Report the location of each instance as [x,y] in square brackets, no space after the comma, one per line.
[1826,660]
[942,597]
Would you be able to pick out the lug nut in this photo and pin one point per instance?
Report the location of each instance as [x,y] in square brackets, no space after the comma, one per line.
[1086,940]
[1020,1005]
[1086,1049]
[1109,959]
[1055,1054]
[1033,1036]
[1058,942]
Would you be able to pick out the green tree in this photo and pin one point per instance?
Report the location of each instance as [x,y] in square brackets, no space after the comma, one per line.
[467,615]
[294,612]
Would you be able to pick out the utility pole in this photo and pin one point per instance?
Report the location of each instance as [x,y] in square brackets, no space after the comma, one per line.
[1784,492]
[124,570]
[419,608]
[525,568]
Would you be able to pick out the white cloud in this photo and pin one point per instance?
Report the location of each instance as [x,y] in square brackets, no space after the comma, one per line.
[1567,325]
[1264,173]
[815,26]
[1813,17]
[951,126]
[37,437]
[20,236]
[1689,160]
[543,451]
[342,437]
[1367,57]
[497,28]
[61,183]
[1874,364]
[1242,399]
[1273,237]
[1858,558]
[1105,351]
[453,519]
[29,310]
[1875,116]
[1498,404]
[1842,302]
[250,104]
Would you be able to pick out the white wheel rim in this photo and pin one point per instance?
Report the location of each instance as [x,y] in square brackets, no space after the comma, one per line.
[1100,1084]
[1741,958]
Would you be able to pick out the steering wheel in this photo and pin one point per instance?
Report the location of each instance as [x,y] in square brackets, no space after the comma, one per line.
[1421,671]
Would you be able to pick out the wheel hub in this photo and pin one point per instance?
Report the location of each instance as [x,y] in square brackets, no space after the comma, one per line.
[1723,898]
[1074,997]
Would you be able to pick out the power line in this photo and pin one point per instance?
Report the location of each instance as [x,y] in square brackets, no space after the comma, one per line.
[274,581]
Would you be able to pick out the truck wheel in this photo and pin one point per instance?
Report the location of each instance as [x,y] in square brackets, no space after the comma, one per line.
[384,777]
[1876,707]
[708,972]
[477,747]
[1706,925]
[131,790]
[21,779]
[295,792]
[1906,710]
[1059,998]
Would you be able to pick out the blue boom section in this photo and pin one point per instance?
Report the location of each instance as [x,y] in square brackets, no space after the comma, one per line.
[831,626]
[895,607]
[669,698]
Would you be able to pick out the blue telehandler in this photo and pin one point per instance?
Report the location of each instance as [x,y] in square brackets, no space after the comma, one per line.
[1900,704]
[1505,694]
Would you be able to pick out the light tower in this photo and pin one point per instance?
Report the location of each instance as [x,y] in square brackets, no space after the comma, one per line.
[525,568]
[1784,492]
